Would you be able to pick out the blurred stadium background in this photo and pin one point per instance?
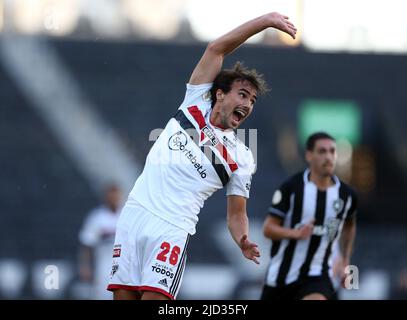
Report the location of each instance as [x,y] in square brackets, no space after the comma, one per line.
[84,82]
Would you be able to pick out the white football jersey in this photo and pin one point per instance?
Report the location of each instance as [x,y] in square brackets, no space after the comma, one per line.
[99,227]
[190,160]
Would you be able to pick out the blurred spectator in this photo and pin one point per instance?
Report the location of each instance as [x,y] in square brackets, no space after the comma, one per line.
[97,239]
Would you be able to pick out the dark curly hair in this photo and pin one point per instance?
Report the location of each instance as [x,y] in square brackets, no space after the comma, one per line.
[313,138]
[239,72]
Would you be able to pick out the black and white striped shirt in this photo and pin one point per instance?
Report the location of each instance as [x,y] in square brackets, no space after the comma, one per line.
[297,202]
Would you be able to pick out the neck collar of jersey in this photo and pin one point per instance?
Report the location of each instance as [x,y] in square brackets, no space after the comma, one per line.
[307,173]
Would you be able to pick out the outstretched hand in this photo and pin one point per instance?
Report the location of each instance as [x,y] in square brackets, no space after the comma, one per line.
[339,269]
[249,249]
[280,22]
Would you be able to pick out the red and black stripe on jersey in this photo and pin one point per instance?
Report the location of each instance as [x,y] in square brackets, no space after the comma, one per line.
[215,160]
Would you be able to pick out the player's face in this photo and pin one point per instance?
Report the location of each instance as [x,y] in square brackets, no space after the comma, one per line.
[236,105]
[322,159]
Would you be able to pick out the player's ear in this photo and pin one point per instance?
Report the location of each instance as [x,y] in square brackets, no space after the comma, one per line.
[220,95]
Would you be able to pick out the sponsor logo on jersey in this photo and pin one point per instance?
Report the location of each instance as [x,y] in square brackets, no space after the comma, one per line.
[230,144]
[332,228]
[163,271]
[115,267]
[329,229]
[163,282]
[117,251]
[178,142]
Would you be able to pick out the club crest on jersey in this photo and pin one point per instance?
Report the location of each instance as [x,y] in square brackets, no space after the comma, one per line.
[338,205]
[277,197]
[211,135]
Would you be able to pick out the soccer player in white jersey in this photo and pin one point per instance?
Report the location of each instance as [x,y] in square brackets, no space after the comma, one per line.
[97,238]
[196,154]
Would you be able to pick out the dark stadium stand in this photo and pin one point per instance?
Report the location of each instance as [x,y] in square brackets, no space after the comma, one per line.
[43,196]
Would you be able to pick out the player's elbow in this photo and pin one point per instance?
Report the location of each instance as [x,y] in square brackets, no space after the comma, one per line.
[267,231]
[214,48]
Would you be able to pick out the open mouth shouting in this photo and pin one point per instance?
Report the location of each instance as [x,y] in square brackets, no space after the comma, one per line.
[238,116]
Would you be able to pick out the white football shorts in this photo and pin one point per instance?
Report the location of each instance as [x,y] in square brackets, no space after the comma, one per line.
[149,253]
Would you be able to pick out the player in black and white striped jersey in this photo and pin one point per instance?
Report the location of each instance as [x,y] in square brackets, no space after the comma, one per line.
[308,213]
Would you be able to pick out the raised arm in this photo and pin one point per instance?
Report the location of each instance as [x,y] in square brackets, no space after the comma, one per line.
[238,225]
[211,62]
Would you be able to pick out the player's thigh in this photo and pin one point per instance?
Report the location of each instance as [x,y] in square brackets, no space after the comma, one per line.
[273,293]
[286,292]
[316,288]
[122,294]
[125,273]
[314,296]
[164,258]
[151,295]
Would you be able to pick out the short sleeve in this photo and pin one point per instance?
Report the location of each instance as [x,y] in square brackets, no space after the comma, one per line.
[280,202]
[240,183]
[197,95]
[241,180]
[89,234]
[353,207]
